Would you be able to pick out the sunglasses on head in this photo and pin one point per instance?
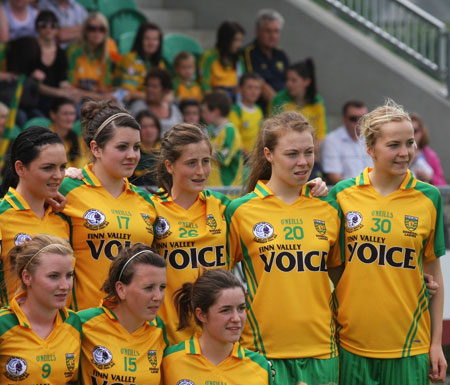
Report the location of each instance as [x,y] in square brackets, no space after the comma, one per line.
[51,24]
[354,118]
[96,28]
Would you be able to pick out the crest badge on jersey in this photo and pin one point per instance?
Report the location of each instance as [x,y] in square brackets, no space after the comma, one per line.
[321,228]
[16,369]
[148,222]
[95,219]
[20,238]
[353,221]
[102,357]
[70,364]
[411,224]
[263,232]
[162,228]
[212,224]
[153,359]
[185,382]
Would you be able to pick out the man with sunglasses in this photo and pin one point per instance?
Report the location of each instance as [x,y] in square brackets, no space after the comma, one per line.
[343,155]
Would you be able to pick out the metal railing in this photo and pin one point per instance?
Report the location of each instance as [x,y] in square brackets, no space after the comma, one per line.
[417,35]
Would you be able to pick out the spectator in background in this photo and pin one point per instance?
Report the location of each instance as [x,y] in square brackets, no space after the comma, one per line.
[159,86]
[145,54]
[434,174]
[89,61]
[227,165]
[264,57]
[63,114]
[144,174]
[71,16]
[246,115]
[221,66]
[191,110]
[52,63]
[17,19]
[185,82]
[301,95]
[344,156]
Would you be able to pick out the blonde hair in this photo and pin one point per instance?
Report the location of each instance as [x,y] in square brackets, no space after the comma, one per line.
[29,254]
[371,122]
[102,51]
[272,129]
[4,109]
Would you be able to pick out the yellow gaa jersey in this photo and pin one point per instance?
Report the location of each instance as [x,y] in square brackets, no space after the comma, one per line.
[189,240]
[184,364]
[314,113]
[19,223]
[385,241]
[248,121]
[184,90]
[111,355]
[285,252]
[26,358]
[100,226]
[227,163]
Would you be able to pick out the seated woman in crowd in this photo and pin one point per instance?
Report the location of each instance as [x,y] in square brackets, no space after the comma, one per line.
[89,61]
[158,87]
[124,332]
[221,66]
[16,20]
[145,54]
[63,114]
[41,339]
[431,169]
[301,95]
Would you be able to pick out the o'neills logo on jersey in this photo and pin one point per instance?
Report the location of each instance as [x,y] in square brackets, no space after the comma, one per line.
[353,221]
[212,224]
[411,224]
[185,382]
[162,228]
[263,232]
[321,228]
[148,222]
[20,238]
[153,359]
[70,364]
[102,358]
[95,219]
[16,369]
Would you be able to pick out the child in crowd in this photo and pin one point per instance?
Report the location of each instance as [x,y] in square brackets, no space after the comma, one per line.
[225,139]
[246,115]
[185,84]
[191,110]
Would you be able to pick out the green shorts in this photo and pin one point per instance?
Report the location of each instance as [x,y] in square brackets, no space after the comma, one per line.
[358,370]
[311,371]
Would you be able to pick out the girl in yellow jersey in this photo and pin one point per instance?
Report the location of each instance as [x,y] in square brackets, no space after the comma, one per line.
[287,242]
[106,212]
[40,338]
[216,300]
[123,339]
[392,233]
[33,173]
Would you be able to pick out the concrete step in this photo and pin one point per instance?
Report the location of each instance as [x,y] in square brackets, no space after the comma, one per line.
[170,18]
[206,37]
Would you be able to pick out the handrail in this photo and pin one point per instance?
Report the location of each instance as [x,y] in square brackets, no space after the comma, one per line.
[421,37]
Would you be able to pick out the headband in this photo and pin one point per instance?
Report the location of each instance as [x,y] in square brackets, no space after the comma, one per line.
[109,120]
[127,262]
[38,252]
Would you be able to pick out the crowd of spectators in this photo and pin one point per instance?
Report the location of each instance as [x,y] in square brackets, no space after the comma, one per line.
[229,89]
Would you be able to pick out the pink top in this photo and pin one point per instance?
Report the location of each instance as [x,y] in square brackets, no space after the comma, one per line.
[433,160]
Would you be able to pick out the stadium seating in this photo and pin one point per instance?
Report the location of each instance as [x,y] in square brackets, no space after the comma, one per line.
[90,5]
[43,122]
[109,7]
[126,41]
[125,20]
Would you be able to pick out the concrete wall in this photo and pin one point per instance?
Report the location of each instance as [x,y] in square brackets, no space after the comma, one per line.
[348,64]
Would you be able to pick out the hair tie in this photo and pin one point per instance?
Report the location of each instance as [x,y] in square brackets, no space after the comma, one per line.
[109,120]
